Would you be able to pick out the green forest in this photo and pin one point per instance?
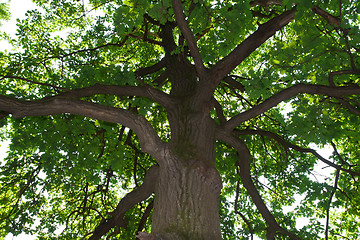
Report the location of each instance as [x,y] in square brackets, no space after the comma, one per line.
[181,120]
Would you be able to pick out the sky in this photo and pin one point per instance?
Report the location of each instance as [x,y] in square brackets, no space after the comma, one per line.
[18,9]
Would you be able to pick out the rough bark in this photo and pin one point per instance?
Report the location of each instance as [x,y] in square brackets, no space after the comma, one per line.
[186,201]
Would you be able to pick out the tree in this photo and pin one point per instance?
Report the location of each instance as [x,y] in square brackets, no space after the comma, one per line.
[182,120]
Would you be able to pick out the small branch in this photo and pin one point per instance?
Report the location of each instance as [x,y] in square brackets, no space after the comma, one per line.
[151,20]
[145,216]
[333,192]
[265,3]
[145,236]
[35,82]
[189,36]
[27,183]
[330,200]
[341,72]
[145,39]
[295,147]
[342,100]
[120,44]
[251,230]
[219,111]
[230,80]
[350,107]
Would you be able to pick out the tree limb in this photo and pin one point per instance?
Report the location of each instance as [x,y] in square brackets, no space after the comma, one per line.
[151,69]
[221,69]
[287,94]
[189,36]
[219,111]
[131,199]
[139,91]
[245,175]
[341,72]
[327,16]
[350,107]
[251,230]
[149,140]
[145,216]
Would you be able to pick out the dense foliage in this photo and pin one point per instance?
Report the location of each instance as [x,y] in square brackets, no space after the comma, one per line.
[81,72]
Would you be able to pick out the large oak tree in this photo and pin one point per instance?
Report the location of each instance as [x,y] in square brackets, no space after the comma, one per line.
[183,120]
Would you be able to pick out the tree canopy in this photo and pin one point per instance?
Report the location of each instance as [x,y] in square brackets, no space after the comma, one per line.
[112,106]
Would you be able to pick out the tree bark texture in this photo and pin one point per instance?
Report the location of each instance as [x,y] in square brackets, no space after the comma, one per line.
[187,202]
[188,187]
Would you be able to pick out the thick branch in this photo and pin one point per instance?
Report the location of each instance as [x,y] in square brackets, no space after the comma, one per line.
[139,91]
[131,199]
[327,16]
[151,69]
[150,141]
[233,83]
[245,175]
[286,144]
[287,94]
[249,45]
[189,36]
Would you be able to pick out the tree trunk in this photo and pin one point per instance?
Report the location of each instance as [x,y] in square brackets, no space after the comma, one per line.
[187,193]
[187,202]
